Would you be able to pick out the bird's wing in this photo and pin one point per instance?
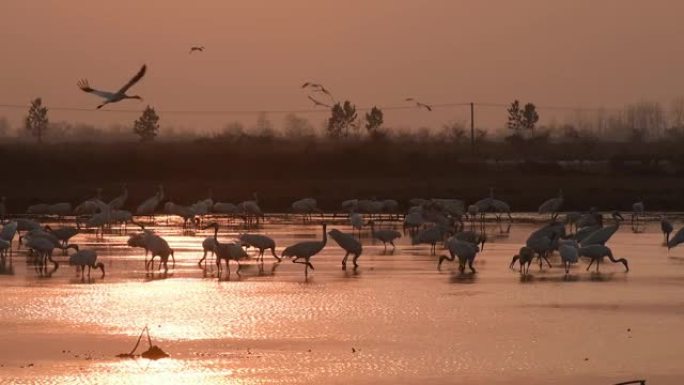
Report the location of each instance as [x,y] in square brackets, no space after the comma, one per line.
[316,102]
[83,85]
[427,107]
[306,84]
[134,80]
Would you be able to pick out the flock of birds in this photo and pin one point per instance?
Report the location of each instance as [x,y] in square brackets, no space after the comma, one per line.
[119,95]
[459,229]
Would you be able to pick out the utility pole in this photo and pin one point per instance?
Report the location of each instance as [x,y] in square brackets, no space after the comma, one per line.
[472,124]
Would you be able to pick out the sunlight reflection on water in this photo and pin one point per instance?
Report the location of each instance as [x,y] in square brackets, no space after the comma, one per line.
[395,320]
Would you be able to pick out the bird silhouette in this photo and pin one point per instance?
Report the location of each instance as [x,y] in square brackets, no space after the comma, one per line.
[420,104]
[317,103]
[196,48]
[113,97]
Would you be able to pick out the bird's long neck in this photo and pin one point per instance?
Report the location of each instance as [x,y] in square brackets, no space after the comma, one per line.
[325,236]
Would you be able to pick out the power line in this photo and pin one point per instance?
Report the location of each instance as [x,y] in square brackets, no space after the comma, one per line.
[229,112]
[318,111]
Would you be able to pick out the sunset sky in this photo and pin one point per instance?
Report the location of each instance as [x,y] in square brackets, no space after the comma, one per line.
[373,52]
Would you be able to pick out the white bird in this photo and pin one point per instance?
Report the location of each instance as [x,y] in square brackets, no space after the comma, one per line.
[25,224]
[85,258]
[465,251]
[158,246]
[208,246]
[306,206]
[350,205]
[552,206]
[602,235]
[413,221]
[666,227]
[187,213]
[113,97]
[251,209]
[477,239]
[9,230]
[637,211]
[150,204]
[226,251]
[350,245]
[569,253]
[430,236]
[597,252]
[356,222]
[119,202]
[524,258]
[390,206]
[64,234]
[306,250]
[37,209]
[677,239]
[42,248]
[260,242]
[384,235]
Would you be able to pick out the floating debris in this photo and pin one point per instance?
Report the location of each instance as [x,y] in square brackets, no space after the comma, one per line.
[154,352]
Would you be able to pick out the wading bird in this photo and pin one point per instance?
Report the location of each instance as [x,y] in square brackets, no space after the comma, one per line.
[677,239]
[350,245]
[85,258]
[569,253]
[260,242]
[226,251]
[524,257]
[113,97]
[602,235]
[306,250]
[637,211]
[666,228]
[150,204]
[552,206]
[356,222]
[465,251]
[384,235]
[597,252]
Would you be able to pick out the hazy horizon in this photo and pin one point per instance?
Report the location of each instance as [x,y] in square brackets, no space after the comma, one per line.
[560,53]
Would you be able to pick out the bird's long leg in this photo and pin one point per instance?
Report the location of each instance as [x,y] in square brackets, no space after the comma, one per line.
[344,261]
[590,263]
[470,264]
[547,260]
[204,258]
[598,261]
[356,256]
[274,254]
[393,246]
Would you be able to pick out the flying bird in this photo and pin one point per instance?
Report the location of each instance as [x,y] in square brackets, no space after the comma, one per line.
[196,48]
[318,103]
[419,104]
[317,87]
[113,97]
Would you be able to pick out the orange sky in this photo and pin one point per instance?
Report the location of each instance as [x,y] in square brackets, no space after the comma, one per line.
[552,52]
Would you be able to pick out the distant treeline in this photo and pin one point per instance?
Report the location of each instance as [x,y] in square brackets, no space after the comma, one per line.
[606,175]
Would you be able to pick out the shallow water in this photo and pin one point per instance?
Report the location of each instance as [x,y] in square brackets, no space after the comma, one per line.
[396,319]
